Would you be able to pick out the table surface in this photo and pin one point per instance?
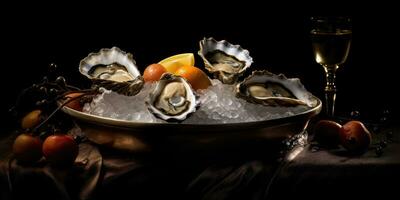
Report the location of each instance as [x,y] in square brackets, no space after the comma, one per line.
[101,173]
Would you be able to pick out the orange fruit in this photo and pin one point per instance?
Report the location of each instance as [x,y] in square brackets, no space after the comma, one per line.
[173,63]
[153,72]
[195,76]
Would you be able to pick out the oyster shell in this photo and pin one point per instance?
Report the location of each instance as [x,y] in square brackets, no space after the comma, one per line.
[226,61]
[113,69]
[270,89]
[172,99]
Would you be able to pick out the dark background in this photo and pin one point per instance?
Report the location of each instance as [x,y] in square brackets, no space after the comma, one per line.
[277,42]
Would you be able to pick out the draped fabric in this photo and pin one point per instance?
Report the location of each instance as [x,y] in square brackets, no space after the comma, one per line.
[100,173]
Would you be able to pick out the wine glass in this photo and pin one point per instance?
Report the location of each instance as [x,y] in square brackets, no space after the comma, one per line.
[331,39]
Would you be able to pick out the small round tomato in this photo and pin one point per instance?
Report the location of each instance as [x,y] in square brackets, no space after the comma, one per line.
[76,103]
[60,150]
[326,133]
[153,72]
[31,119]
[27,148]
[355,137]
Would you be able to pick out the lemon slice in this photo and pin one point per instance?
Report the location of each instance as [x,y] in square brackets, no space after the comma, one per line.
[173,63]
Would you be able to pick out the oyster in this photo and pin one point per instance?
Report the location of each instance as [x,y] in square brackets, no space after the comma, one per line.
[172,99]
[226,61]
[113,69]
[270,89]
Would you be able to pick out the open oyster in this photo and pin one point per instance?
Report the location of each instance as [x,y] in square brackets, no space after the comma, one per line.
[226,61]
[113,69]
[172,99]
[270,89]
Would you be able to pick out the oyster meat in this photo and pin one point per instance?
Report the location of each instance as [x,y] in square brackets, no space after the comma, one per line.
[226,61]
[270,89]
[172,99]
[113,69]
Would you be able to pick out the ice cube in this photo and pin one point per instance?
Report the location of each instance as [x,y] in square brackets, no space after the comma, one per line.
[218,104]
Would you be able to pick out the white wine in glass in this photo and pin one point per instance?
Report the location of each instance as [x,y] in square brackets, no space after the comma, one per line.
[331,39]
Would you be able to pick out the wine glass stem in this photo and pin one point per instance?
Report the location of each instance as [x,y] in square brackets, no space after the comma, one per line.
[330,89]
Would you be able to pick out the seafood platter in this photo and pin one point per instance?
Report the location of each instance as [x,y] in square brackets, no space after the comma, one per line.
[180,104]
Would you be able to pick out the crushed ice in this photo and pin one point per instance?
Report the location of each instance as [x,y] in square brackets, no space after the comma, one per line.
[218,104]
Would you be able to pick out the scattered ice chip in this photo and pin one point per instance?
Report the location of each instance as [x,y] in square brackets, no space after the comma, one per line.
[218,104]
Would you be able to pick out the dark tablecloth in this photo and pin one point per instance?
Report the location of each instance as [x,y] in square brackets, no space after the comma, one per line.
[106,174]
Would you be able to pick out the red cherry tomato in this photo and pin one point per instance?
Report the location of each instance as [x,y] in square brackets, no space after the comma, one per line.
[355,137]
[326,133]
[27,148]
[60,150]
[31,119]
[74,104]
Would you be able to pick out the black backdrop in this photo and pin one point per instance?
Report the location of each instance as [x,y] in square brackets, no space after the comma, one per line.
[277,42]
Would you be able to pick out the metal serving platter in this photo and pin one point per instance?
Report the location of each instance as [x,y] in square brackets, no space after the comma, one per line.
[143,137]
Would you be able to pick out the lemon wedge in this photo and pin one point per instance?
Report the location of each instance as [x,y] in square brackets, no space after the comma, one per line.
[173,63]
